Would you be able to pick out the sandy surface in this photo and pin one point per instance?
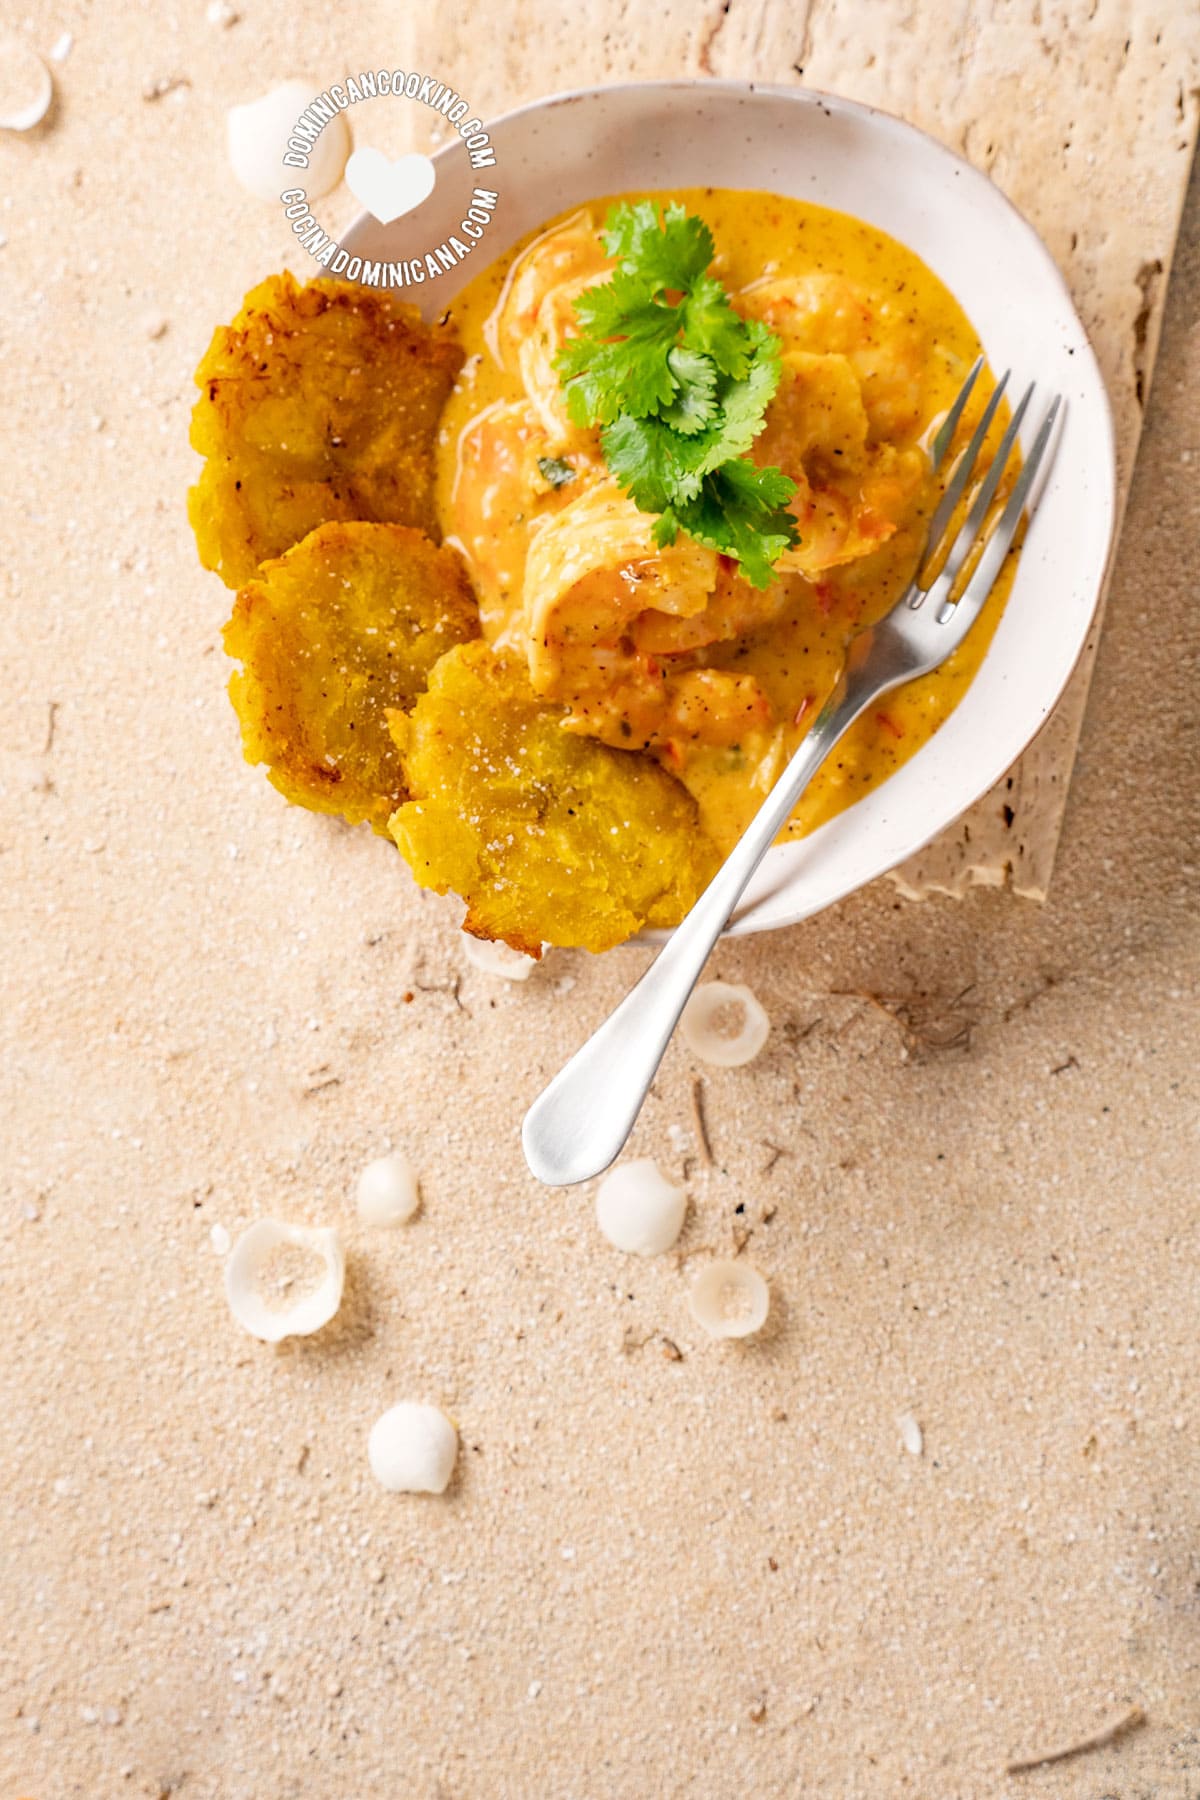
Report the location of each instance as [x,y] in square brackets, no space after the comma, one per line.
[705,1574]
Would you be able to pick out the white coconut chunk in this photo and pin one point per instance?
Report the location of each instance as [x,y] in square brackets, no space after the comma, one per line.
[497,959]
[388,1192]
[284,1280]
[724,1024]
[256,136]
[412,1449]
[637,1208]
[911,1435]
[729,1299]
[26,86]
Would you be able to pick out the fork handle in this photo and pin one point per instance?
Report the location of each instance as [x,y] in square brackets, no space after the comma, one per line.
[579,1124]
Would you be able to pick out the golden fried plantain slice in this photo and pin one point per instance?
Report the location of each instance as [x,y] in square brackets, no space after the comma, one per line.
[319,402]
[547,836]
[332,636]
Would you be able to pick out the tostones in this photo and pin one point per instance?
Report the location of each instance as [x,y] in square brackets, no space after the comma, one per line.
[319,402]
[333,636]
[548,837]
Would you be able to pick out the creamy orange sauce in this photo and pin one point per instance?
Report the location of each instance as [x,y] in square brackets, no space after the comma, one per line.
[672,651]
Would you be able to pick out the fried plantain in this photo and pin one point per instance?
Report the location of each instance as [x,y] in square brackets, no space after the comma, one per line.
[319,402]
[547,836]
[332,636]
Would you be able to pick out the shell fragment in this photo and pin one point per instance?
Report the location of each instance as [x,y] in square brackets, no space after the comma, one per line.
[412,1449]
[257,134]
[724,1024]
[26,86]
[638,1210]
[730,1299]
[284,1280]
[388,1193]
[497,959]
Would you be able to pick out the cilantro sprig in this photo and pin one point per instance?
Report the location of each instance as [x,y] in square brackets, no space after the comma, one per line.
[679,384]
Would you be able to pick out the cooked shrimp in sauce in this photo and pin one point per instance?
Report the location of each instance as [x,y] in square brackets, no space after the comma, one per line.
[669,650]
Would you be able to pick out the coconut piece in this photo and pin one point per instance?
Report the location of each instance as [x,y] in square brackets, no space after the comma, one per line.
[911,1435]
[729,1299]
[388,1193]
[26,86]
[497,958]
[724,1024]
[256,136]
[412,1449]
[638,1210]
[272,1294]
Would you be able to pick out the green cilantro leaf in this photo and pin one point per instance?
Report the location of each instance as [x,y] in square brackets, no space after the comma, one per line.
[712,325]
[679,384]
[626,374]
[620,305]
[642,455]
[666,527]
[671,255]
[695,401]
[744,403]
[556,470]
[740,512]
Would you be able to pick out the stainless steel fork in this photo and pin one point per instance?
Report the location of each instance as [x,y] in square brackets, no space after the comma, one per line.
[579,1124]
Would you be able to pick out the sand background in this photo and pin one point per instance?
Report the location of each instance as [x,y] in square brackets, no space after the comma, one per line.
[706,1574]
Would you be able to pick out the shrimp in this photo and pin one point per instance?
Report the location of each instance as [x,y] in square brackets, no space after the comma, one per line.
[591,570]
[536,316]
[886,346]
[734,608]
[500,494]
[850,495]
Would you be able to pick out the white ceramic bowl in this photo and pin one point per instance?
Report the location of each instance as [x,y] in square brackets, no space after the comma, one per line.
[576,147]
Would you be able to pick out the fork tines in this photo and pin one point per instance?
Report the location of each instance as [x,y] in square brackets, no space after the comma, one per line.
[999,540]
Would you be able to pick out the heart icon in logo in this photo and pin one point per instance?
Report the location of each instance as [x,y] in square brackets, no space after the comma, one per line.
[388,190]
